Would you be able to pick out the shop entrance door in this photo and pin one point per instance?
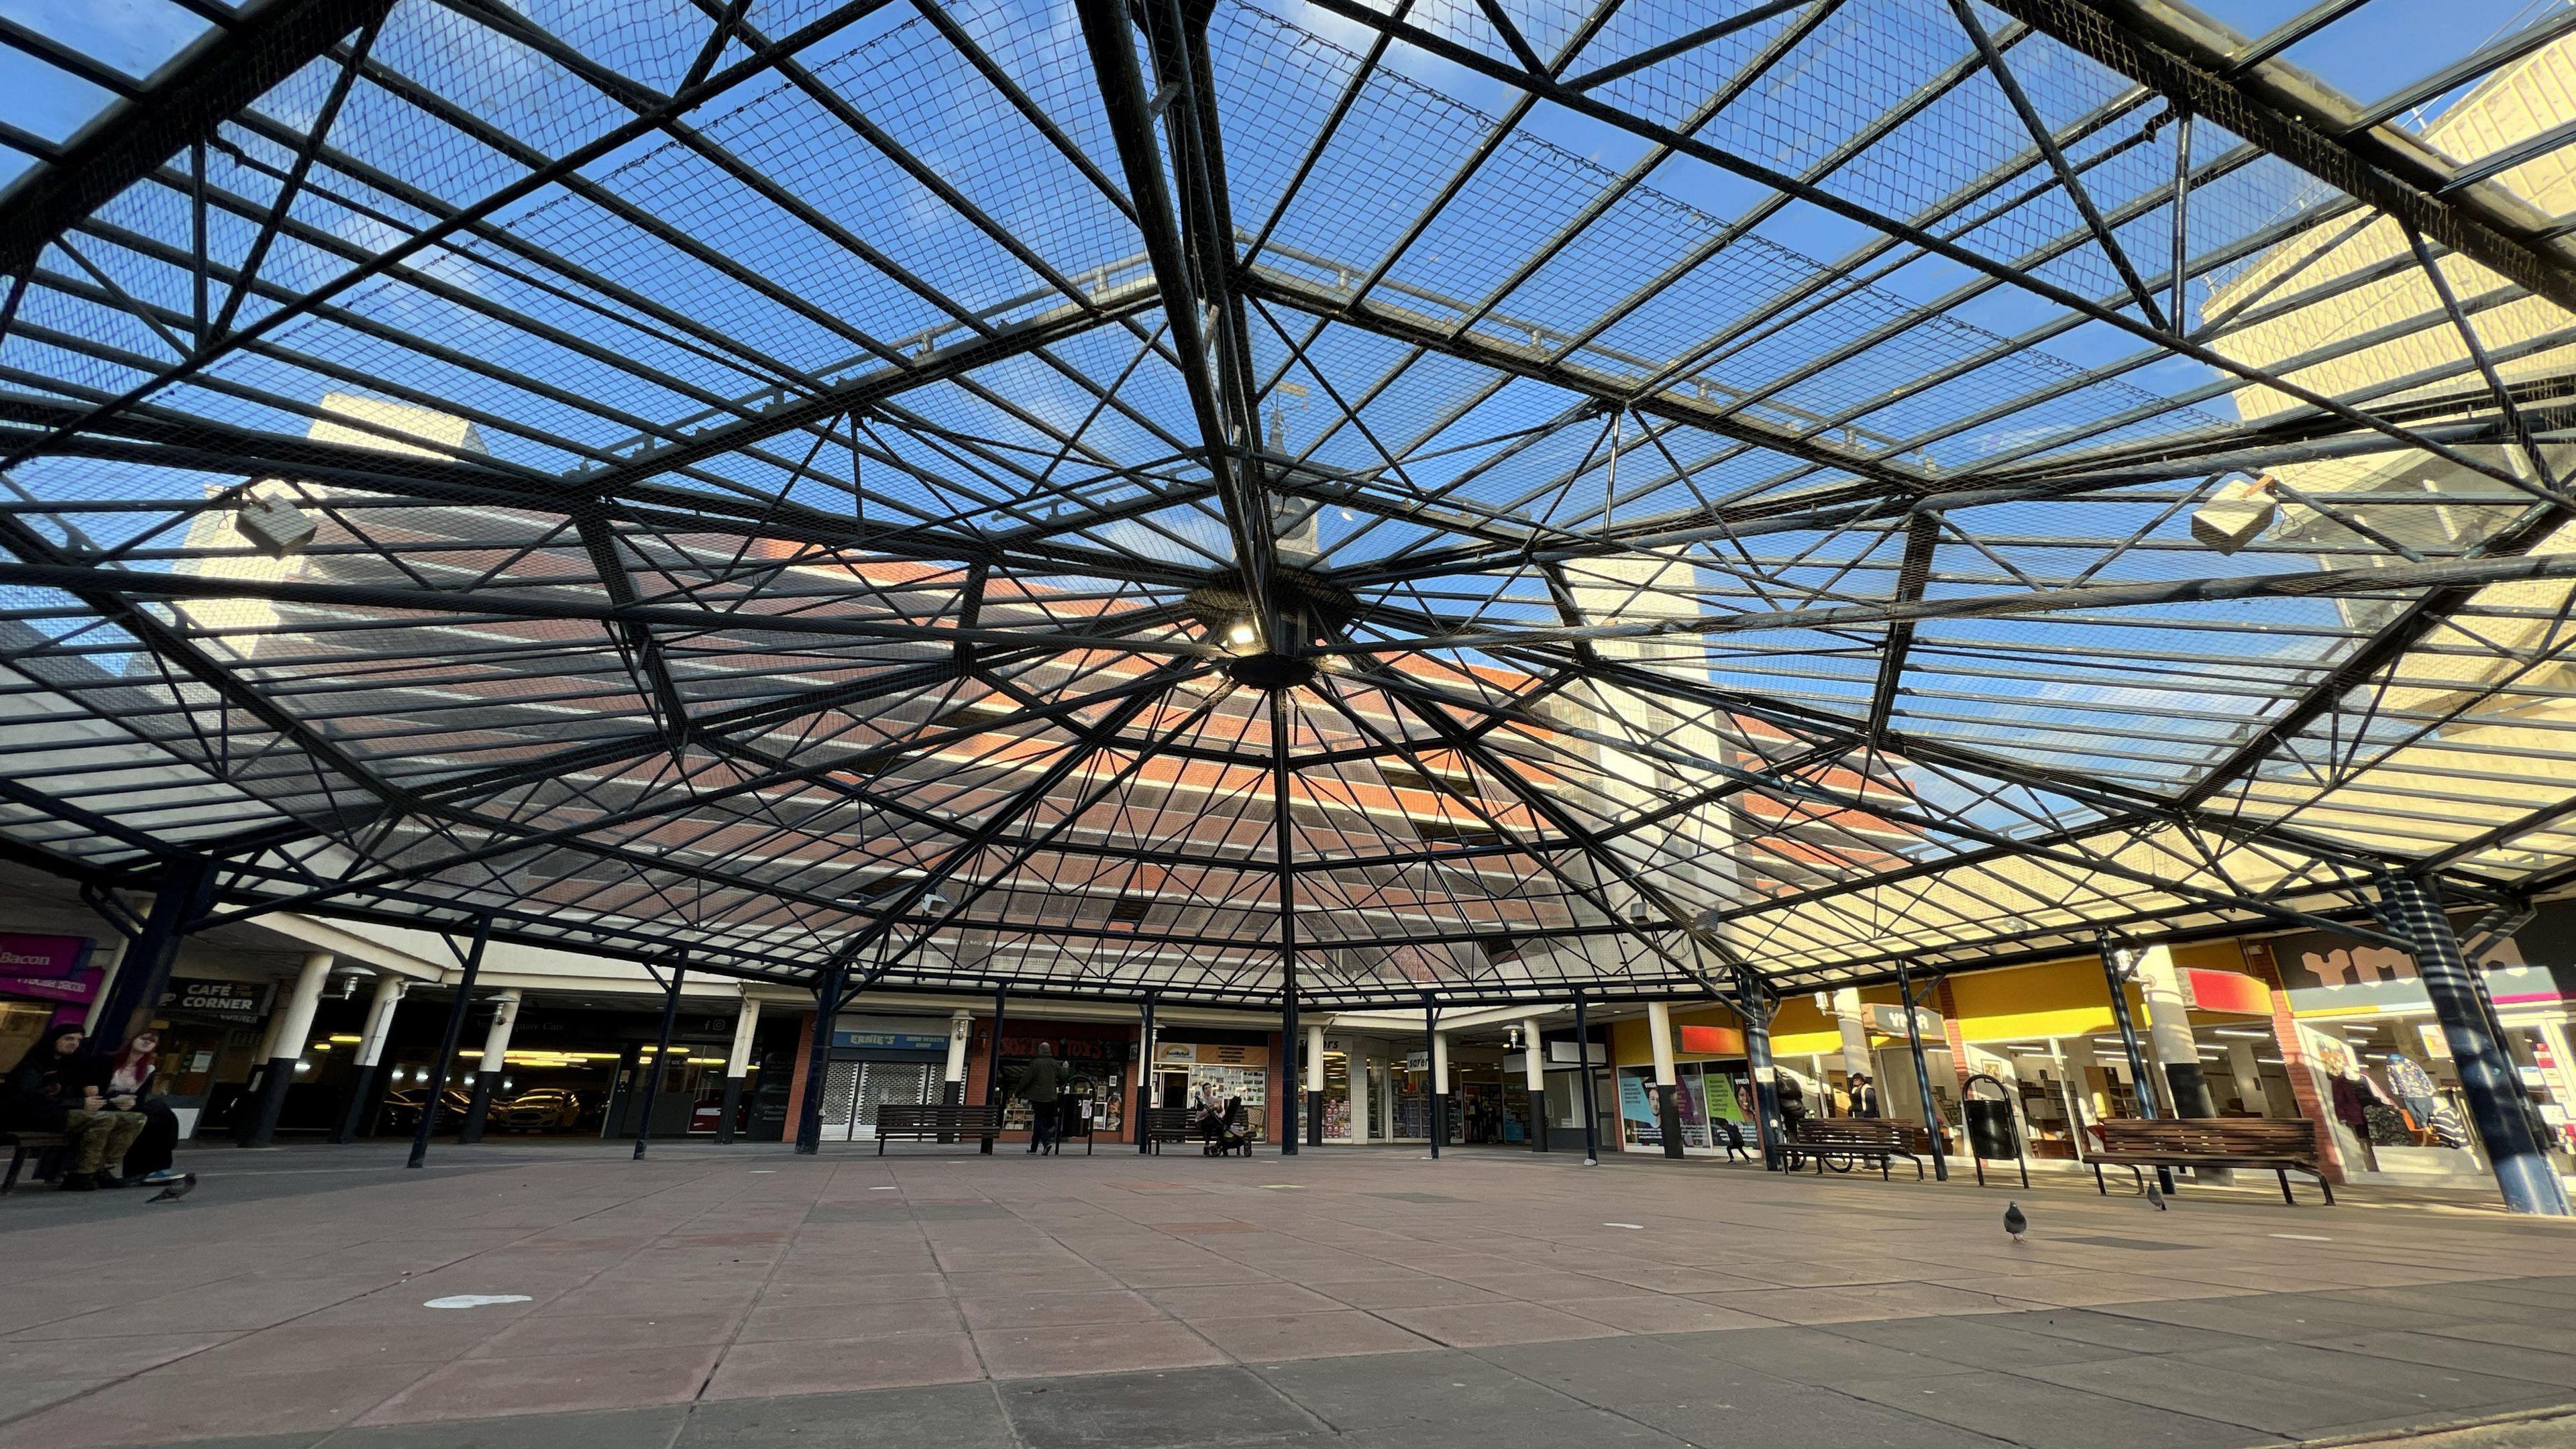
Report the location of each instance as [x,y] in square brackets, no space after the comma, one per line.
[852,1092]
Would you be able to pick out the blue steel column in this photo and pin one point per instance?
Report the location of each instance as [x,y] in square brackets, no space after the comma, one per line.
[1756,1015]
[2487,1077]
[1431,1094]
[651,1081]
[818,1055]
[1922,1073]
[2146,1090]
[993,1058]
[187,887]
[438,1070]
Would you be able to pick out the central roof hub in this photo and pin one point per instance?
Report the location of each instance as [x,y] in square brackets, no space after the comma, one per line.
[1271,671]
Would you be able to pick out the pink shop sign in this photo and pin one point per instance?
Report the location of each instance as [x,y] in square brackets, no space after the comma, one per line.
[48,968]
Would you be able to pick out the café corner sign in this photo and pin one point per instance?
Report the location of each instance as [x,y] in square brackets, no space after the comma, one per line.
[243,1001]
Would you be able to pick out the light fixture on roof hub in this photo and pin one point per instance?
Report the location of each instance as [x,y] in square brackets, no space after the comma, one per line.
[274,526]
[2235,515]
[1242,634]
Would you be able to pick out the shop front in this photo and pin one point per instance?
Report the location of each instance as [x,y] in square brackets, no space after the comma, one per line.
[2048,1035]
[1234,1064]
[881,1061]
[2382,1066]
[1708,1063]
[1093,1086]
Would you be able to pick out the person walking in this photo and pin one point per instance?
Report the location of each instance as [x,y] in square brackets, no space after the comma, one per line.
[1043,1091]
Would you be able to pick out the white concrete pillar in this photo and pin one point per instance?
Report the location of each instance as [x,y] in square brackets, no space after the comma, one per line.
[496,1040]
[2249,1077]
[1356,1059]
[291,1026]
[1659,1037]
[961,1026]
[2170,1043]
[2081,1063]
[1855,1030]
[1533,1060]
[380,1018]
[1440,1062]
[746,1026]
[1314,1059]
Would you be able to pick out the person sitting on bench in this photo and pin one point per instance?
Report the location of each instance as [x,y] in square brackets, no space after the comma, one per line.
[1207,1114]
[1233,1131]
[54,1088]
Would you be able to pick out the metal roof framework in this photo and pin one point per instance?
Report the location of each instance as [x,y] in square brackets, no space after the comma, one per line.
[1480,498]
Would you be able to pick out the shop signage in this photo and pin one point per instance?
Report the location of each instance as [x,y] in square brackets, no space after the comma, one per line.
[1073,1049]
[48,968]
[1716,1041]
[2225,991]
[1210,1055]
[1176,1053]
[2327,972]
[1567,1054]
[243,1001]
[893,1041]
[1890,1021]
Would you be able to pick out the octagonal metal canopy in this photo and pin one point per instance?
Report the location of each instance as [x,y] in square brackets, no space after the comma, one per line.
[1477,498]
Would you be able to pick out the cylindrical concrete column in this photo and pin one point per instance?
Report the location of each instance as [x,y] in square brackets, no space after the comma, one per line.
[746,1026]
[2249,1077]
[355,1117]
[1440,1087]
[2522,1168]
[1357,1062]
[1534,1077]
[1668,1076]
[1855,1033]
[2169,1038]
[288,1029]
[1315,1085]
[487,1073]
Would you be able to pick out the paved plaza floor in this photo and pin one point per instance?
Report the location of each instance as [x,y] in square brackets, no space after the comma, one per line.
[936,1299]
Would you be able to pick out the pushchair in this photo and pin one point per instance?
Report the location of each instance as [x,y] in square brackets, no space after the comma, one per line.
[1231,1133]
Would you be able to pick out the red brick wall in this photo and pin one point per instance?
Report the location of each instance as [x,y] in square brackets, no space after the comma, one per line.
[2285,1034]
[796,1073]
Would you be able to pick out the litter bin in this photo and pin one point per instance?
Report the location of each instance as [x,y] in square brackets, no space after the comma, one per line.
[1990,1126]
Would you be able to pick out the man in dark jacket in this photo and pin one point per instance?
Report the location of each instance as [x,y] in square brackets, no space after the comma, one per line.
[1043,1091]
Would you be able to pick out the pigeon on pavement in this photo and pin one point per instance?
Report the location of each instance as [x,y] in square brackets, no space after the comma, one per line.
[176,1188]
[2155,1198]
[2014,1222]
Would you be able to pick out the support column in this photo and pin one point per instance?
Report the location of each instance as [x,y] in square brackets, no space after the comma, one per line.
[2249,1077]
[1756,1015]
[1855,1033]
[1362,1109]
[496,1056]
[993,1057]
[2169,1034]
[1435,1055]
[1534,1077]
[1315,1086]
[1923,1072]
[648,1081]
[371,1051]
[1668,1076]
[446,1059]
[1591,1103]
[143,969]
[818,1055]
[287,1038]
[2522,1169]
[746,1027]
[1144,1071]
[2115,963]
[1292,1041]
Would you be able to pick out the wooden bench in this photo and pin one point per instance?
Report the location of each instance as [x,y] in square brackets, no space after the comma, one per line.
[2267,1146]
[23,1144]
[1854,1140]
[1168,1124]
[938,1121]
